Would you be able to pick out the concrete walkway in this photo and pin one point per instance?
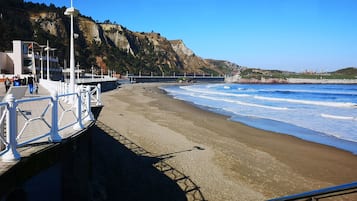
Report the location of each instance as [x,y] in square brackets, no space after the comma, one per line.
[34,119]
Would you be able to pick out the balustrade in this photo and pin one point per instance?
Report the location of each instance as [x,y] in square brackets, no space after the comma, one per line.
[56,119]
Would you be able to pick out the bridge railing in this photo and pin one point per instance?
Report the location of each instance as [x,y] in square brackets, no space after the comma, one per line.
[176,76]
[321,194]
[44,119]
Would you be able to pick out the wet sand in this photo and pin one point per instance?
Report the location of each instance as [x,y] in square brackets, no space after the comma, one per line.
[227,160]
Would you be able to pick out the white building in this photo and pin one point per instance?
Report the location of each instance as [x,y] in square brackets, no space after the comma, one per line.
[28,57]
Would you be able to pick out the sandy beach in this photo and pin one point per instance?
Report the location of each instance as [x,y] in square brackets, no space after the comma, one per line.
[226,160]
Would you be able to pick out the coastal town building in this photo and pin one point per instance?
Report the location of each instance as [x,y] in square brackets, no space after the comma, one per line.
[29,57]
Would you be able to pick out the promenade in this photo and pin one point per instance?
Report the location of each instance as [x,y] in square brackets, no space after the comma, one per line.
[34,118]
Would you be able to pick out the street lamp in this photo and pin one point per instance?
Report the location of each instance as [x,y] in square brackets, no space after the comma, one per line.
[42,46]
[71,12]
[78,71]
[48,48]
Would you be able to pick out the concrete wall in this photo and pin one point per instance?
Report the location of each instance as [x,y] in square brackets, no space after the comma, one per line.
[17,56]
[6,64]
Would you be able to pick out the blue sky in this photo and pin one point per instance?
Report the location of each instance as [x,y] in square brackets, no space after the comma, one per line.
[295,35]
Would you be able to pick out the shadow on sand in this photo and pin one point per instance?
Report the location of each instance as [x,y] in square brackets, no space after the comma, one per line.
[125,171]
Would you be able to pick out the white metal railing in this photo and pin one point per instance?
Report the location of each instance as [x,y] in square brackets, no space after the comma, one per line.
[44,119]
[95,79]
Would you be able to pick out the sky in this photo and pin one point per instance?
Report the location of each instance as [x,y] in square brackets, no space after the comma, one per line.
[293,35]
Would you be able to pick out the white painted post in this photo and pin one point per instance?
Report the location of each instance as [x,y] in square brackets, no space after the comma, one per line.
[79,125]
[48,61]
[99,91]
[54,136]
[89,114]
[63,88]
[2,127]
[66,91]
[58,86]
[11,153]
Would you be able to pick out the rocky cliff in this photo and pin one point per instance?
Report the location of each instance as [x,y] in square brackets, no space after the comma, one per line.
[112,46]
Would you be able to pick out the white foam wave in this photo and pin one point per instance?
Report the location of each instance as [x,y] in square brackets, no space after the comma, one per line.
[205,91]
[309,102]
[330,116]
[242,103]
[309,91]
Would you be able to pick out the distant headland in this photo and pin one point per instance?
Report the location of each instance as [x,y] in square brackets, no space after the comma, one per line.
[249,75]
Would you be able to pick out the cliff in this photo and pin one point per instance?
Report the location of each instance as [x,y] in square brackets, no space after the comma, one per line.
[107,45]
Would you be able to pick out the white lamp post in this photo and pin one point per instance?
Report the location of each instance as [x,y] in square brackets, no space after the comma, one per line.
[78,71]
[48,59]
[42,46]
[71,12]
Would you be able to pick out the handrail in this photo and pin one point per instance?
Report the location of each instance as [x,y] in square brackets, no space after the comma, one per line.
[321,193]
[11,110]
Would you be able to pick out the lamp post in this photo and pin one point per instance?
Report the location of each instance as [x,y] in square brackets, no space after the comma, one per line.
[42,46]
[48,60]
[78,71]
[48,48]
[71,12]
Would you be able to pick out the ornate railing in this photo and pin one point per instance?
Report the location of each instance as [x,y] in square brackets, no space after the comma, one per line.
[44,119]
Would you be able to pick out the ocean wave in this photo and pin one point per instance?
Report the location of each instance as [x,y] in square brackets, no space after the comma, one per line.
[243,103]
[310,102]
[205,91]
[319,113]
[309,91]
[330,116]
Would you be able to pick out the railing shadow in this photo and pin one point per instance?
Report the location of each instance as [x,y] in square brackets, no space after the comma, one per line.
[129,172]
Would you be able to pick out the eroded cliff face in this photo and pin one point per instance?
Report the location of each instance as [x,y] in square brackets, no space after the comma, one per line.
[49,22]
[192,63]
[91,31]
[136,51]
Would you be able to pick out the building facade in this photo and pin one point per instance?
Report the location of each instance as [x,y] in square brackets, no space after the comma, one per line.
[28,57]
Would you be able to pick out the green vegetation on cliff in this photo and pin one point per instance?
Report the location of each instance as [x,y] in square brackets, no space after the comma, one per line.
[251,73]
[107,46]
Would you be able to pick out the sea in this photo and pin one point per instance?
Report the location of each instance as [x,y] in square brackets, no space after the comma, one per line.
[320,113]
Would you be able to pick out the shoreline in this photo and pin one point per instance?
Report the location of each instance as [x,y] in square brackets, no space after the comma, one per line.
[238,161]
[279,127]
